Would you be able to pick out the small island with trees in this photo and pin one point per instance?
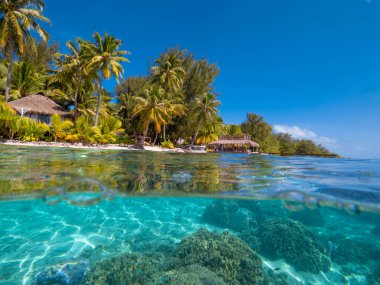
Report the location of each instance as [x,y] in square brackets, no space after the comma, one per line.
[46,95]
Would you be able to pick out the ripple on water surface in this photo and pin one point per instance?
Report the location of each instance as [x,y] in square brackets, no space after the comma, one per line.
[36,234]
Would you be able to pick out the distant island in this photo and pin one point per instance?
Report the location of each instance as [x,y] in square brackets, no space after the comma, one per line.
[59,97]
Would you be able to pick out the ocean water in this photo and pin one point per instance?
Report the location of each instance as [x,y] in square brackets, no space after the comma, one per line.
[118,217]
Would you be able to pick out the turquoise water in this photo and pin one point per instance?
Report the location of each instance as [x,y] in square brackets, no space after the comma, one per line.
[114,217]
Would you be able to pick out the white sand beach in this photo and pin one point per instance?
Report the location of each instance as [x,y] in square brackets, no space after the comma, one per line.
[88,146]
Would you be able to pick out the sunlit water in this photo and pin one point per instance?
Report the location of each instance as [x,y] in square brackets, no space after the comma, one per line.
[120,217]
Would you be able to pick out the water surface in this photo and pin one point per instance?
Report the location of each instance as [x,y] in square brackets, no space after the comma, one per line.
[112,217]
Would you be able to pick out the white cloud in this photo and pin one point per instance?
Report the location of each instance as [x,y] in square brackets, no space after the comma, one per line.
[327,140]
[361,148]
[295,131]
[299,133]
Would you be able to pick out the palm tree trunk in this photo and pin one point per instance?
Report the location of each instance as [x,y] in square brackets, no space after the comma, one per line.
[141,139]
[76,105]
[164,132]
[10,69]
[197,131]
[155,139]
[98,103]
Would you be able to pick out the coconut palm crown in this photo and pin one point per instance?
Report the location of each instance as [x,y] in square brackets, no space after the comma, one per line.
[169,73]
[205,108]
[17,19]
[151,107]
[104,56]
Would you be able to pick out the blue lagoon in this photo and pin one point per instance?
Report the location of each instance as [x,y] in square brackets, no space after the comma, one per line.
[120,217]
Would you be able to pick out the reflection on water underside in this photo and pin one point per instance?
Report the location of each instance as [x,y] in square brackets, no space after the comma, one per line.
[309,180]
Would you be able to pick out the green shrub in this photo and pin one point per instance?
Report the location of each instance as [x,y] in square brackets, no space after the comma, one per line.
[31,130]
[85,132]
[110,130]
[7,115]
[58,127]
[167,144]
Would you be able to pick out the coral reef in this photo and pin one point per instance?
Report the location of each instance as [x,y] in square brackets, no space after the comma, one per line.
[374,278]
[65,274]
[126,269]
[249,237]
[346,250]
[228,214]
[274,278]
[224,254]
[263,210]
[203,258]
[376,231]
[293,242]
[308,217]
[189,275]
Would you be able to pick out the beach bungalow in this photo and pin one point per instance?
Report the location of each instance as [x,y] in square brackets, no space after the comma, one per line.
[38,107]
[235,143]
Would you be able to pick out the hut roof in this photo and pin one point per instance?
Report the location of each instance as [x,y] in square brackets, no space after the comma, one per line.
[240,142]
[39,104]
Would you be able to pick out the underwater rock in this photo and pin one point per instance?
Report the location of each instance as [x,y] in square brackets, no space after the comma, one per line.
[228,214]
[346,250]
[293,242]
[66,274]
[189,275]
[224,254]
[308,217]
[131,268]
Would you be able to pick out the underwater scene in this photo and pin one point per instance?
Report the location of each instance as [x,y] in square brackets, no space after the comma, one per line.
[70,216]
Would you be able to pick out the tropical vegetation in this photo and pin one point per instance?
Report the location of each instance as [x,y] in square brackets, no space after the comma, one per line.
[174,103]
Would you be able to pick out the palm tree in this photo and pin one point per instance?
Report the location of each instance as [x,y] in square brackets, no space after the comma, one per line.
[206,109]
[25,80]
[17,19]
[151,108]
[125,108]
[71,71]
[169,73]
[105,58]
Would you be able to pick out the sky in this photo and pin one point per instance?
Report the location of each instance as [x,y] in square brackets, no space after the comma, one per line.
[310,67]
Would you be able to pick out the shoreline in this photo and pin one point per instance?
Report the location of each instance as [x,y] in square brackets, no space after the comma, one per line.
[122,147]
[85,146]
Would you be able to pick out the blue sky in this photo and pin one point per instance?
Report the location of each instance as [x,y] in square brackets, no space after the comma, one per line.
[311,67]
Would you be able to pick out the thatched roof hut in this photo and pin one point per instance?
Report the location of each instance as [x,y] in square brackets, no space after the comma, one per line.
[38,106]
[235,143]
